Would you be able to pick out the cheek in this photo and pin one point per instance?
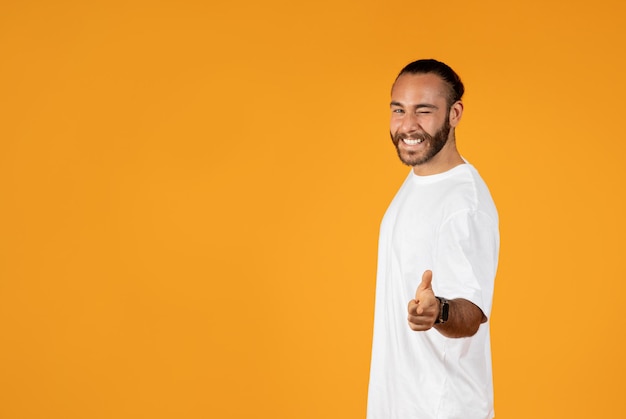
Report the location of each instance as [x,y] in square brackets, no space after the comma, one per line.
[431,126]
[394,125]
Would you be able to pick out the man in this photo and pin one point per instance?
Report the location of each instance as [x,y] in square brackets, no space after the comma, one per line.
[437,260]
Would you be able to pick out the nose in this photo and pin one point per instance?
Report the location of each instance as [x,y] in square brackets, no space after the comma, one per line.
[410,123]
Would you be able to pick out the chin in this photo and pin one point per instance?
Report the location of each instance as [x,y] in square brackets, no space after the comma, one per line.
[413,159]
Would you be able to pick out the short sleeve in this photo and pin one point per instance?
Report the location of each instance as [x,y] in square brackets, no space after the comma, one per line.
[466,258]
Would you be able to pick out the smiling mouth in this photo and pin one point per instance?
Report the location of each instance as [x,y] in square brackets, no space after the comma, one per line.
[411,141]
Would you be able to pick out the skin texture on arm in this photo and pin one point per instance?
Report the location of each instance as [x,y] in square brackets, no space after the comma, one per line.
[464,316]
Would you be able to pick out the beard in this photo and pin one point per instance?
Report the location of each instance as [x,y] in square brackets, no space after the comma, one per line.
[432,144]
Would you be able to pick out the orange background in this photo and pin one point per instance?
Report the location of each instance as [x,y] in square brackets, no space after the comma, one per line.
[190,195]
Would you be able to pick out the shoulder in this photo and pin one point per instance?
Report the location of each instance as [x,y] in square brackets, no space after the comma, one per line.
[468,192]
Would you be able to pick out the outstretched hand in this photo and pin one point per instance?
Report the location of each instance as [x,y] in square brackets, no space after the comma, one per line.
[424,309]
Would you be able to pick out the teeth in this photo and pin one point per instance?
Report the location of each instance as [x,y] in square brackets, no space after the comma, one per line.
[409,141]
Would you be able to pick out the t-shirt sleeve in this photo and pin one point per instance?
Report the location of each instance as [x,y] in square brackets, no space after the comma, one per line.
[466,258]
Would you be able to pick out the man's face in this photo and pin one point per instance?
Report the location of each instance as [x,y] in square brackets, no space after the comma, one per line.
[420,125]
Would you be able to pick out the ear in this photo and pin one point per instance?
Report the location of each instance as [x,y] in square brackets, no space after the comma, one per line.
[456,112]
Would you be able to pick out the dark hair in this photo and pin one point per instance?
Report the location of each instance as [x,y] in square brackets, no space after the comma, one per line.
[442,70]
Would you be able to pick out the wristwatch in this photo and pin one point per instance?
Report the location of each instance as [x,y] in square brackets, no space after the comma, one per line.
[444,310]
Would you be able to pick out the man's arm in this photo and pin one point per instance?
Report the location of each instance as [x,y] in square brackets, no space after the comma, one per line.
[464,317]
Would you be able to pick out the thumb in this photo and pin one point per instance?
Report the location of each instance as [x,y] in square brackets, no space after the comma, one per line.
[426,284]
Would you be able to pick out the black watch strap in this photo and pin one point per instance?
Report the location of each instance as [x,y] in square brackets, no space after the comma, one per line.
[444,310]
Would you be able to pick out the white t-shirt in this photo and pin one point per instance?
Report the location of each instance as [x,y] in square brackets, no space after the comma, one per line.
[447,223]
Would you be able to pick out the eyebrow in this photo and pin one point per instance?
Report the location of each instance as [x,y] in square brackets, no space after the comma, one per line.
[418,106]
